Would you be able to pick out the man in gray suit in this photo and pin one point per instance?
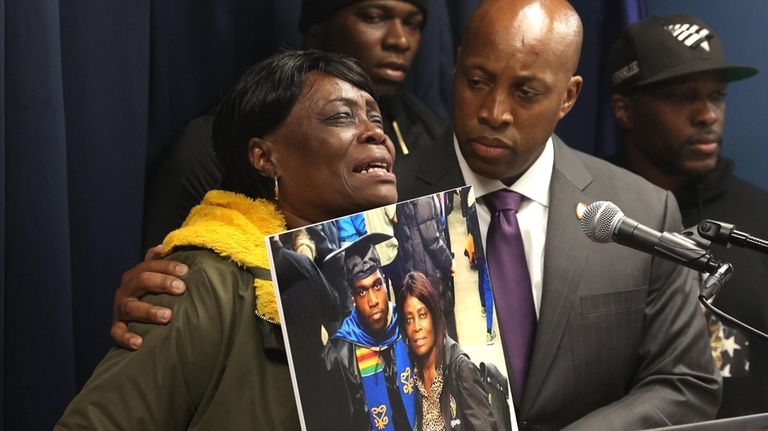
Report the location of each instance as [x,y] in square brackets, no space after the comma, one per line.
[621,342]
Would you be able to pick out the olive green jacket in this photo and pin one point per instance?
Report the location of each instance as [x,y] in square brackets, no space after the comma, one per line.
[215,366]
[218,364]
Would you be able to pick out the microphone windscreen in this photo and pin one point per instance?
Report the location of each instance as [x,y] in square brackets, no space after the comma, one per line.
[599,220]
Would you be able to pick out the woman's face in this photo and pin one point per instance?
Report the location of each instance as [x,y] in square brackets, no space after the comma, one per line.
[418,327]
[331,154]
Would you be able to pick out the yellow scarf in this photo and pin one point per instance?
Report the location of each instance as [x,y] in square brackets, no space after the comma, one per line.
[234,226]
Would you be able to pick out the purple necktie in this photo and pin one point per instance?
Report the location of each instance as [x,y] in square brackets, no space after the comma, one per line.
[511,282]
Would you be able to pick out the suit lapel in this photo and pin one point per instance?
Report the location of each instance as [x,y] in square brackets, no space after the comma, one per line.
[563,263]
[443,160]
[438,170]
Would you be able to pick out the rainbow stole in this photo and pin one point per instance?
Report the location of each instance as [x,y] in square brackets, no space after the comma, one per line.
[371,368]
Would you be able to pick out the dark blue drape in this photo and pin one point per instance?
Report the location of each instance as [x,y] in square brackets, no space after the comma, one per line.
[38,344]
[590,126]
[93,90]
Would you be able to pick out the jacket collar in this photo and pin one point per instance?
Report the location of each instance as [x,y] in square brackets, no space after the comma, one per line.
[234,226]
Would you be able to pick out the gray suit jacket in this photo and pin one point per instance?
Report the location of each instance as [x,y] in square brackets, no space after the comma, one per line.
[621,341]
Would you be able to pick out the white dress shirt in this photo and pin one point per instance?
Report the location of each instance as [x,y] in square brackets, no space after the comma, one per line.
[533,213]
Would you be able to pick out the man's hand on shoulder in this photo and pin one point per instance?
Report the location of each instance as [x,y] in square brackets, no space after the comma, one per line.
[153,275]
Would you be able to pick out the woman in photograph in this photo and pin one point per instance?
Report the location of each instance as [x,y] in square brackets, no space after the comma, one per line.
[452,393]
[300,138]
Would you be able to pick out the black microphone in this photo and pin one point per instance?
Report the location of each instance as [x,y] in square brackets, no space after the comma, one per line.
[603,222]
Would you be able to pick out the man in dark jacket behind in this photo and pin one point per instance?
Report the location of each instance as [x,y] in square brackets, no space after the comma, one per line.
[383,36]
[669,78]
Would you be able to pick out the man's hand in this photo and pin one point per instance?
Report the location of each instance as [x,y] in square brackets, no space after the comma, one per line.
[153,275]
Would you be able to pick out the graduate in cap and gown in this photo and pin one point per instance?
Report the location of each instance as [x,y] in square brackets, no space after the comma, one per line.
[371,382]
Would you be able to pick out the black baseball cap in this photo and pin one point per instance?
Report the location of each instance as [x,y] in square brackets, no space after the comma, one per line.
[665,47]
[317,11]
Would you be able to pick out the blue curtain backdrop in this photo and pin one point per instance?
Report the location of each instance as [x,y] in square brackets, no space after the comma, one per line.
[93,90]
[590,126]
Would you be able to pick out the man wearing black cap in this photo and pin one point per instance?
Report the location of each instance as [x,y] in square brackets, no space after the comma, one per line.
[370,373]
[383,35]
[669,78]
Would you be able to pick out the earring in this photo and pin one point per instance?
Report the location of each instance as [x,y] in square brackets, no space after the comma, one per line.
[277,189]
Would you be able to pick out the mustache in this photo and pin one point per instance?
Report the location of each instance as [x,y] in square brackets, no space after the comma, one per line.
[373,311]
[491,139]
[704,137]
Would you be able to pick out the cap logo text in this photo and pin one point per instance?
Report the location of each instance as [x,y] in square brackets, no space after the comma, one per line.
[625,72]
[691,35]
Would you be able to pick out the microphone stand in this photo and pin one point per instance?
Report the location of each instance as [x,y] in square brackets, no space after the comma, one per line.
[724,234]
